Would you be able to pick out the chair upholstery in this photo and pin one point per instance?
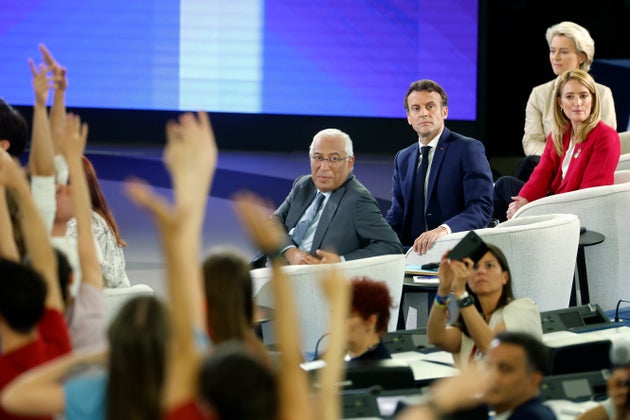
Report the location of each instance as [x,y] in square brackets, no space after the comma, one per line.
[605,210]
[624,138]
[540,250]
[622,176]
[624,159]
[116,298]
[310,301]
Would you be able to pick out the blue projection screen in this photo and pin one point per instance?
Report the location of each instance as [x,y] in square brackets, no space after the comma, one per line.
[351,58]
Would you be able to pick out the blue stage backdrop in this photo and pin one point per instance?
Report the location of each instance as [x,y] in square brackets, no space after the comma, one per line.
[351,58]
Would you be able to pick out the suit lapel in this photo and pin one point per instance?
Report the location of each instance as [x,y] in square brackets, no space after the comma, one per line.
[302,199]
[436,163]
[327,214]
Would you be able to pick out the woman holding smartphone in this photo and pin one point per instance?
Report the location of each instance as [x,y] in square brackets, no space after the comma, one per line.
[487,305]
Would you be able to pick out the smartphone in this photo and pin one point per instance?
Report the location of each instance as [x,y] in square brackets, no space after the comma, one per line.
[471,246]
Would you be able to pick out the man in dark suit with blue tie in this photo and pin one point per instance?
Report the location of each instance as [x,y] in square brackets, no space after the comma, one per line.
[443,183]
[329,215]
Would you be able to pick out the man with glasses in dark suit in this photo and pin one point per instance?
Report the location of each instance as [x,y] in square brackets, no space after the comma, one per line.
[329,215]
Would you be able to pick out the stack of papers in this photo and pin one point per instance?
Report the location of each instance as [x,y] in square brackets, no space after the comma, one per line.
[417,269]
[426,280]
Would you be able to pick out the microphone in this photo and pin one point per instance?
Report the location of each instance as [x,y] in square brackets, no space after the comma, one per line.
[617,308]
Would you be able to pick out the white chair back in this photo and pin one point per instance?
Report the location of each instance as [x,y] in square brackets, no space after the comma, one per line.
[311,303]
[540,250]
[604,210]
[622,176]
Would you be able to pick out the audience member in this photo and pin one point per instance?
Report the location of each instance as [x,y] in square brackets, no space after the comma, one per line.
[32,329]
[581,151]
[617,405]
[368,319]
[519,361]
[105,231]
[447,396]
[486,306]
[449,189]
[329,215]
[570,47]
[45,153]
[297,400]
[85,313]
[152,363]
[229,301]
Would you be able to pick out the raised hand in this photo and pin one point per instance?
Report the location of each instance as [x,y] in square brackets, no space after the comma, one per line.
[255,215]
[74,137]
[59,72]
[41,82]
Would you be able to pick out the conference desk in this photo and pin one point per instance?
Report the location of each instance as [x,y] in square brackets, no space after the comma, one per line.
[415,303]
[417,299]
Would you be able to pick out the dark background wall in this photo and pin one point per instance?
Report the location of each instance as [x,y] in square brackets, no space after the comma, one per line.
[513,58]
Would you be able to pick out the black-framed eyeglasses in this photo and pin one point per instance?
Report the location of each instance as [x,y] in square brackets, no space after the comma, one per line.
[332,160]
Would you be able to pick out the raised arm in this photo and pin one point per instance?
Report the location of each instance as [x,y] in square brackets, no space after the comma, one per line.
[72,145]
[36,239]
[268,235]
[190,157]
[8,247]
[39,391]
[337,291]
[445,337]
[41,155]
[58,108]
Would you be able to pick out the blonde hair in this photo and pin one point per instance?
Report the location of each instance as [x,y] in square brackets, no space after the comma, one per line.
[561,122]
[582,39]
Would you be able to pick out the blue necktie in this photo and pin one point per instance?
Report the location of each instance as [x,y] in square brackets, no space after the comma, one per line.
[308,219]
[418,224]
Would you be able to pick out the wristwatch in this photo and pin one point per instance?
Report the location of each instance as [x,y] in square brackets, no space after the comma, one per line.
[465,300]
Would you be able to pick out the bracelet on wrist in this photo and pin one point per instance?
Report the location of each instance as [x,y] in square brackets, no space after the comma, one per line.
[442,300]
[439,304]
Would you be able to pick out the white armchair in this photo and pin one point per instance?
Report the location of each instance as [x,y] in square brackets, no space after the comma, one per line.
[604,210]
[311,303]
[622,176]
[540,250]
[624,159]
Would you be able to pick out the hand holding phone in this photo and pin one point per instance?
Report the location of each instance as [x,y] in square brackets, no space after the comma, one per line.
[471,246]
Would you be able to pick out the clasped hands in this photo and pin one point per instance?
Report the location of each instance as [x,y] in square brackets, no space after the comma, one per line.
[296,256]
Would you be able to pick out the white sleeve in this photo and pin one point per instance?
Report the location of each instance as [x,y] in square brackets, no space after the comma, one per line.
[43,193]
[523,315]
[61,169]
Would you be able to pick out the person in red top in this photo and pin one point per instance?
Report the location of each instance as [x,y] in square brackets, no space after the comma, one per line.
[32,326]
[581,151]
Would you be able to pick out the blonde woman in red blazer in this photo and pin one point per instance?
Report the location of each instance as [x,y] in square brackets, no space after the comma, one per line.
[581,151]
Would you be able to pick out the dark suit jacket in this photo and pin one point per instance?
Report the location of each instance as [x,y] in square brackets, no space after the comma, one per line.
[351,223]
[459,188]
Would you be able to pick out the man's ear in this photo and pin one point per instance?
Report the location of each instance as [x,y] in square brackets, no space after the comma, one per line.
[5,144]
[537,378]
